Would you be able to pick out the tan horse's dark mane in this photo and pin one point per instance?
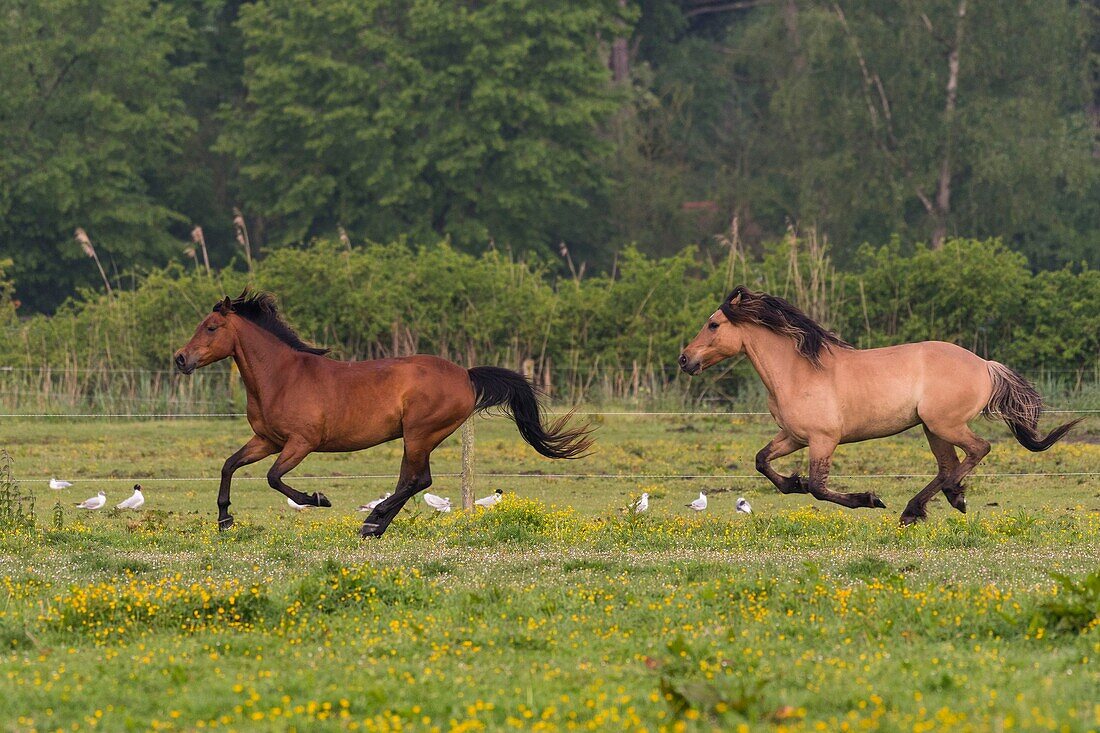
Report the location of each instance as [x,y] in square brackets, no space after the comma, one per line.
[259,308]
[779,316]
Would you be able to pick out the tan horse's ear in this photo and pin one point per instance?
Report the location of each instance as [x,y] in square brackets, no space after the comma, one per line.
[736,299]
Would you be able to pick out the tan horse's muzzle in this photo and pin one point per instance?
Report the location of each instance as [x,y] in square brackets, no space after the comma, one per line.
[690,366]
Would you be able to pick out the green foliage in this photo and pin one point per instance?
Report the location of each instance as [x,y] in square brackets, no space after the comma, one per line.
[16,507]
[1075,607]
[91,116]
[423,118]
[608,335]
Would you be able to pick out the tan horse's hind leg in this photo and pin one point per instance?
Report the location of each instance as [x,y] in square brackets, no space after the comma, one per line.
[975,448]
[781,445]
[821,456]
[947,461]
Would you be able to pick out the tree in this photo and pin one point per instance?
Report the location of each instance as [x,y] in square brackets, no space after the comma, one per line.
[423,117]
[90,117]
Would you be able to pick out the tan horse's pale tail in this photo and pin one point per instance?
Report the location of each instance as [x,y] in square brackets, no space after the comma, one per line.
[1017,402]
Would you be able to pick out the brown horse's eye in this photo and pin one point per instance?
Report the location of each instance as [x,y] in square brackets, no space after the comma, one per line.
[712,326]
[211,329]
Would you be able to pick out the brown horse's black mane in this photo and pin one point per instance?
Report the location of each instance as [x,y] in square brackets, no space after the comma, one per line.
[779,316]
[260,309]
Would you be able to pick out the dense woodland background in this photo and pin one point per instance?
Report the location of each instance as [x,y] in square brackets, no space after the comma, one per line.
[566,183]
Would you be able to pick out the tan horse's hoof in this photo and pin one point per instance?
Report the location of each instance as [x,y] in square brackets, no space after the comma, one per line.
[910,519]
[320,499]
[226,523]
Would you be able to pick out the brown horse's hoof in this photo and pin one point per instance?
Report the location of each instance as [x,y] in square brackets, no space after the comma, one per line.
[369,529]
[225,522]
[910,519]
[320,499]
[877,503]
[959,502]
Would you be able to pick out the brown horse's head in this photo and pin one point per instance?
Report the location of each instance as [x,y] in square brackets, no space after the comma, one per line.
[213,341]
[719,339]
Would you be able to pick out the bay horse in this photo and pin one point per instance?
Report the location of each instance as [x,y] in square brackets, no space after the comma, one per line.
[823,392]
[300,402]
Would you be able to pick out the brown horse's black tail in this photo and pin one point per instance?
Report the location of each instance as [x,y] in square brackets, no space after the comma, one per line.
[517,397]
[1017,402]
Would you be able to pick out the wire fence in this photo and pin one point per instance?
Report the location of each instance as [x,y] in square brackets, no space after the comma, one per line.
[468,474]
[625,413]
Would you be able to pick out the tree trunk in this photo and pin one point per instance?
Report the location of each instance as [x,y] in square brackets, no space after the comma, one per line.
[620,56]
[943,185]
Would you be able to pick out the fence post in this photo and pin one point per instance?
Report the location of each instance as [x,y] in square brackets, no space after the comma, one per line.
[468,464]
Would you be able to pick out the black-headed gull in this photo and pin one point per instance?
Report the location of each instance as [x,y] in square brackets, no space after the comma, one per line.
[699,504]
[491,499]
[439,503]
[59,484]
[135,501]
[743,506]
[370,505]
[642,505]
[96,502]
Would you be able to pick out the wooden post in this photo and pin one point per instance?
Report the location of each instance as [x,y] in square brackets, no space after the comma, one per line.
[468,465]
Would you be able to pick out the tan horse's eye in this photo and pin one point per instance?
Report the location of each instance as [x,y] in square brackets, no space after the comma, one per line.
[712,326]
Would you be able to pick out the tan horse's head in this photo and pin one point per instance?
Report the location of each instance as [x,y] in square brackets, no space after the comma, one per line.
[213,341]
[720,338]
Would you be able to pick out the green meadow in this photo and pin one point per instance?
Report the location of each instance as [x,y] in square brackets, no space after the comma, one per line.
[555,610]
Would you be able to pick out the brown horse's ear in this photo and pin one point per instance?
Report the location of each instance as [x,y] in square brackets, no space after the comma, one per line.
[225,307]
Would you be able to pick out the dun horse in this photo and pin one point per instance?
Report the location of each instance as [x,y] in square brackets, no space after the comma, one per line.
[823,392]
[300,402]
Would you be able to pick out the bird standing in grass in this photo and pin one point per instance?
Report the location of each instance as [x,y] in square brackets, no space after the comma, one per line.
[699,504]
[370,505]
[59,484]
[490,500]
[96,502]
[439,503]
[642,505]
[135,501]
[743,506]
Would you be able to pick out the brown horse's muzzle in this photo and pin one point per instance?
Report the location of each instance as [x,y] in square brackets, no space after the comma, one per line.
[185,364]
[691,366]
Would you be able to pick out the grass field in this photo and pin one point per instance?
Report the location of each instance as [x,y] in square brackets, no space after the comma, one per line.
[553,610]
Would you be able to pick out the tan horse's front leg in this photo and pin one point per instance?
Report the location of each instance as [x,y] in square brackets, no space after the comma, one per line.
[781,445]
[821,456]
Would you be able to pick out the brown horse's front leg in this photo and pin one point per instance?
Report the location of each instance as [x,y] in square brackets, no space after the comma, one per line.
[254,450]
[292,454]
[781,445]
[821,456]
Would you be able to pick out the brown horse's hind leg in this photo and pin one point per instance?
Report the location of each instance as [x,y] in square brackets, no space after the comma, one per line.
[416,475]
[292,454]
[975,449]
[254,450]
[781,445]
[821,456]
[947,461]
